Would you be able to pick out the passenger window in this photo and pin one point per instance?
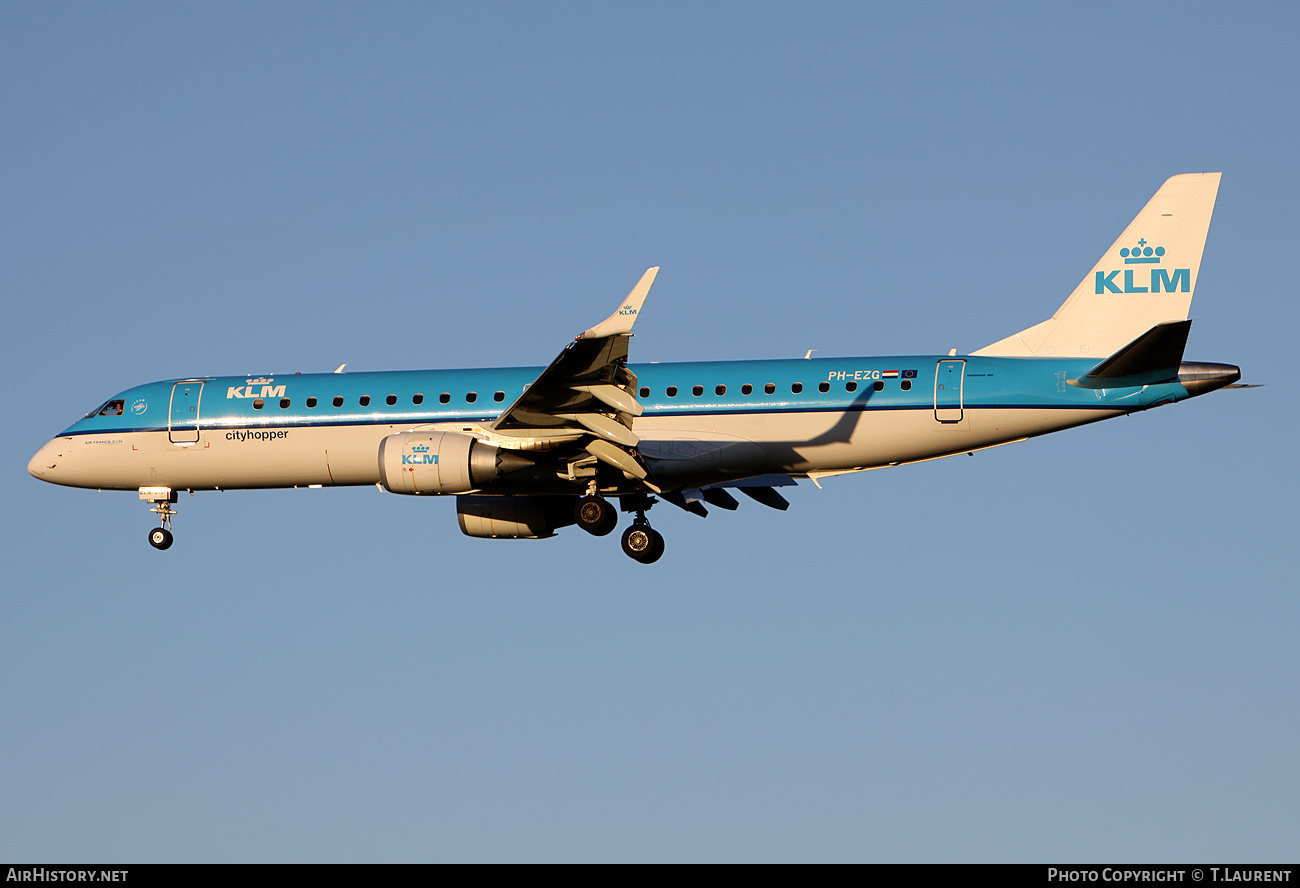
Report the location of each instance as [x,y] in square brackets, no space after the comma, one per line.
[824,387]
[417,399]
[645,392]
[258,404]
[444,398]
[850,386]
[499,396]
[338,402]
[720,390]
[878,385]
[746,389]
[311,402]
[671,391]
[906,385]
[769,389]
[391,400]
[471,397]
[284,403]
[697,390]
[797,387]
[364,400]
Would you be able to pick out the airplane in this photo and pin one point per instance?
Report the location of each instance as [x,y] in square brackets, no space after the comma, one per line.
[529,451]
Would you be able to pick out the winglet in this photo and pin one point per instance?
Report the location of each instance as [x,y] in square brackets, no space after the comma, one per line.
[621,321]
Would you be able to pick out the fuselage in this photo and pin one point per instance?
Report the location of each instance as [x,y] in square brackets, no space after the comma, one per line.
[703,423]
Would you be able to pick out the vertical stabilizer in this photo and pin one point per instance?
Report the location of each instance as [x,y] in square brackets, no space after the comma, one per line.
[1147,277]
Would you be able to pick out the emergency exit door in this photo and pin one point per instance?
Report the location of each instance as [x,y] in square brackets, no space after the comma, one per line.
[949,380]
[183,415]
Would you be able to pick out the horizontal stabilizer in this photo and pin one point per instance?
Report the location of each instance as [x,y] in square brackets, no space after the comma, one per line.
[1151,359]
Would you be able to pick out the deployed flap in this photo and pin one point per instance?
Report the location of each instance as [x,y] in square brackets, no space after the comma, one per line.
[767,496]
[1148,276]
[1150,359]
[588,389]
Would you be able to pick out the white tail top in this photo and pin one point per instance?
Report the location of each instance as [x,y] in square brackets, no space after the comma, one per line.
[1147,277]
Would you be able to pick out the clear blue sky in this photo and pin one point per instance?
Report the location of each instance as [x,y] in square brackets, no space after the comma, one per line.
[1077,648]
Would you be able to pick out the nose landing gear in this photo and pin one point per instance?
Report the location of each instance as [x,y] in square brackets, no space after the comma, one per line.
[162,499]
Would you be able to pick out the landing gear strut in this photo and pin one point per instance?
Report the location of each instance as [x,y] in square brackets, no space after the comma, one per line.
[162,499]
[641,542]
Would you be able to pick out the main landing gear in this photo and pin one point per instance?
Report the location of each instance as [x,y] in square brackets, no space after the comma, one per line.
[643,543]
[162,499]
[597,516]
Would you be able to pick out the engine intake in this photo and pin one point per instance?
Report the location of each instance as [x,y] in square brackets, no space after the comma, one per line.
[442,462]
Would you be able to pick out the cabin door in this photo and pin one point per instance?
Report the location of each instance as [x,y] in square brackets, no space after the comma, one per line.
[949,377]
[183,415]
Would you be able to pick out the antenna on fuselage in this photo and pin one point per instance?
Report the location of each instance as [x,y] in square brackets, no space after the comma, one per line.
[340,368]
[808,356]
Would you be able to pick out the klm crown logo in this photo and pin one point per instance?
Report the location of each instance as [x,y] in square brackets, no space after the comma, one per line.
[1161,280]
[1142,254]
[420,456]
[261,380]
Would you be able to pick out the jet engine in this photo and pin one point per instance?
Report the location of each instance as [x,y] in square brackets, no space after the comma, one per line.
[513,517]
[442,462]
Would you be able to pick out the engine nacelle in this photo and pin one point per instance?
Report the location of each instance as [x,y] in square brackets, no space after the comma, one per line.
[513,517]
[442,462]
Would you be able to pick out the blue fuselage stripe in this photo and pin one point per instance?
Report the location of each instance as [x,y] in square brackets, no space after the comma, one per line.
[989,383]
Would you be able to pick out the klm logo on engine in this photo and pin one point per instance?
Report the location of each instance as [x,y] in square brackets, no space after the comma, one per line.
[420,457]
[256,388]
[1178,280]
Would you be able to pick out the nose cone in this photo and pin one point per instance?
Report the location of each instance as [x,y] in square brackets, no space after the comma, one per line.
[43,464]
[1201,378]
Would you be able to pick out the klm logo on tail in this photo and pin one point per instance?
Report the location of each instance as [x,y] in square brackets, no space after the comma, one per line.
[1161,280]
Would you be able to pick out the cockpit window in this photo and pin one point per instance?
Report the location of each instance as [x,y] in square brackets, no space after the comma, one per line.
[115,407]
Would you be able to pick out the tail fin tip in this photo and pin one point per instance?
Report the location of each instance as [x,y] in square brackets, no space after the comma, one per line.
[1147,277]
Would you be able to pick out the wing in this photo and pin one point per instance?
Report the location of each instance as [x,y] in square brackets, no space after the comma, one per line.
[588,393]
